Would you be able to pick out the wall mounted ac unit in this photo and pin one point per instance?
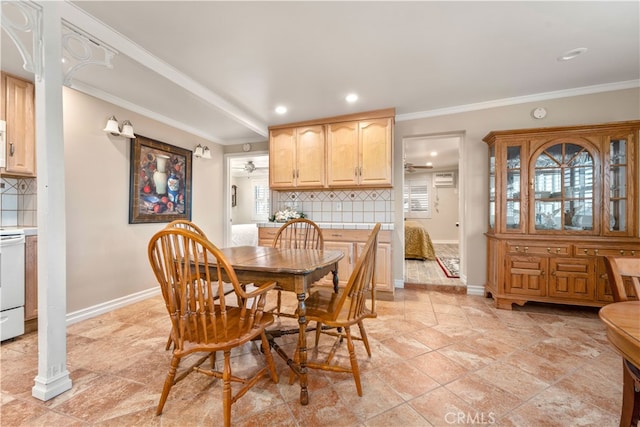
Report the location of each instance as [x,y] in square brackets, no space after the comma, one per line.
[444,179]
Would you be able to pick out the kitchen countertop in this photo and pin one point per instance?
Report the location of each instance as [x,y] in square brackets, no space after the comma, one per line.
[334,225]
[28,231]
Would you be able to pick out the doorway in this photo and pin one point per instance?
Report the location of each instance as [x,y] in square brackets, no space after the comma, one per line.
[247,197]
[431,175]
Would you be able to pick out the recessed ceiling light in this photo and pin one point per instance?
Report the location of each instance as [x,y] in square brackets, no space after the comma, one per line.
[434,153]
[572,54]
[352,97]
[429,163]
[281,109]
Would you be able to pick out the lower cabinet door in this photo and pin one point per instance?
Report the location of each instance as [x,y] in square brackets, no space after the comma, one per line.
[526,275]
[572,278]
[383,269]
[345,266]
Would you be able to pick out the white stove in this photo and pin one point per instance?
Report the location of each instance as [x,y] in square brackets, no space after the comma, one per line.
[11,282]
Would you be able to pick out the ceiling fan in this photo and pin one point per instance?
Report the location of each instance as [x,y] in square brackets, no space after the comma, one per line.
[410,167]
[249,167]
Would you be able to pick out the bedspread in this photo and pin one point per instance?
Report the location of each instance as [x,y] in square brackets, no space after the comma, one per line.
[417,243]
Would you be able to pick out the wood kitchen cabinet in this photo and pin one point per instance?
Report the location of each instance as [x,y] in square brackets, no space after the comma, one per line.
[359,153]
[559,200]
[31,278]
[351,243]
[349,151]
[18,110]
[296,157]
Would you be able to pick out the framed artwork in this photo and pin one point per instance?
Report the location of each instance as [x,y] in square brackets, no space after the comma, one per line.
[160,182]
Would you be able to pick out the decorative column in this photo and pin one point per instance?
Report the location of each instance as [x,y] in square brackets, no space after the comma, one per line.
[53,376]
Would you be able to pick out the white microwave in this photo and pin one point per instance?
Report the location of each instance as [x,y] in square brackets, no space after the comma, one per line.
[3,143]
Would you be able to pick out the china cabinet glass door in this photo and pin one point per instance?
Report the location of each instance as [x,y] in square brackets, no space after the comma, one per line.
[563,189]
[618,191]
[492,187]
[513,202]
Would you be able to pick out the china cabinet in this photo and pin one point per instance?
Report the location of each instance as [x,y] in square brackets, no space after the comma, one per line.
[350,151]
[559,200]
[18,110]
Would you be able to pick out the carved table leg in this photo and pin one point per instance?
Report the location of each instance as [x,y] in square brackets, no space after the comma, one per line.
[302,348]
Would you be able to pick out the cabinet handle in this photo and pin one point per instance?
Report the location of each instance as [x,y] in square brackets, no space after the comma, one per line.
[553,272]
[621,252]
[293,174]
[557,250]
[336,235]
[360,170]
[596,252]
[633,253]
[542,272]
[586,251]
[517,248]
[12,149]
[603,276]
[526,248]
[549,250]
[355,171]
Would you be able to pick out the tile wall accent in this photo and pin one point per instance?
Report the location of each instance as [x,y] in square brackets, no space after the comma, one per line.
[18,207]
[357,206]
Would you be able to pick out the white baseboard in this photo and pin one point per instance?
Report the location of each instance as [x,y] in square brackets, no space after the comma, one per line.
[477,290]
[105,307]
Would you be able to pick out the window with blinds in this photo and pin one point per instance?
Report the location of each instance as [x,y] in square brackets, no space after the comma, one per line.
[260,200]
[417,197]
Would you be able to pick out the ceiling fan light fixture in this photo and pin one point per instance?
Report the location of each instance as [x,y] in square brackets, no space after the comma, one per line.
[572,54]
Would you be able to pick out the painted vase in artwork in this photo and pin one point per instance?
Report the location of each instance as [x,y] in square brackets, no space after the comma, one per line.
[174,187]
[160,175]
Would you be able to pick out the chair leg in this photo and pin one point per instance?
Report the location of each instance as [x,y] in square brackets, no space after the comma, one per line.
[226,388]
[168,383]
[318,332]
[363,335]
[279,303]
[269,357]
[354,361]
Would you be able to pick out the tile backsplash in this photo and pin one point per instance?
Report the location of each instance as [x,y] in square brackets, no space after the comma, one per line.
[18,202]
[357,206]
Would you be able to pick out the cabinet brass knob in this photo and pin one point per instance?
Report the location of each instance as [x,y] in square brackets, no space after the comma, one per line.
[549,250]
[517,248]
[526,248]
[603,276]
[621,252]
[553,272]
[557,250]
[596,251]
[542,272]
[633,253]
[586,251]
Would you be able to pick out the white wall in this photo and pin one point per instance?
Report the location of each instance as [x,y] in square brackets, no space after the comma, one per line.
[107,256]
[586,109]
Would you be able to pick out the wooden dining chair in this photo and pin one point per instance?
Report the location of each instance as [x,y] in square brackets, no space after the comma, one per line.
[338,312]
[299,233]
[188,225]
[624,279]
[189,279]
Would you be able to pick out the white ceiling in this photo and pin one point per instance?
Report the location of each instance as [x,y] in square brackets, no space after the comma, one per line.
[218,69]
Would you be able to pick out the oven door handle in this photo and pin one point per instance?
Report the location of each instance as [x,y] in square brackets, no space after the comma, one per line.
[11,240]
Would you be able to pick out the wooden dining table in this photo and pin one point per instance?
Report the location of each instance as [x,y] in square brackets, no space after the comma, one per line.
[295,270]
[622,320]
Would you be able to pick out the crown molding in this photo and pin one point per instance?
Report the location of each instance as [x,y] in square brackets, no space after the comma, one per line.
[565,93]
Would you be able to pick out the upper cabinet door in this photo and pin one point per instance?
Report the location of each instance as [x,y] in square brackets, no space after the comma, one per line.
[310,155]
[282,149]
[21,136]
[375,152]
[342,147]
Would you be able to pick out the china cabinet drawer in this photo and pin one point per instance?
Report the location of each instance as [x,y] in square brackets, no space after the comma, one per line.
[599,250]
[548,249]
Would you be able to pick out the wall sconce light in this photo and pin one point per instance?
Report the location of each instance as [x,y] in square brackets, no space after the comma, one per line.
[202,152]
[113,128]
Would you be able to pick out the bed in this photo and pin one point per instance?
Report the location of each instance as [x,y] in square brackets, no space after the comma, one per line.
[417,243]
